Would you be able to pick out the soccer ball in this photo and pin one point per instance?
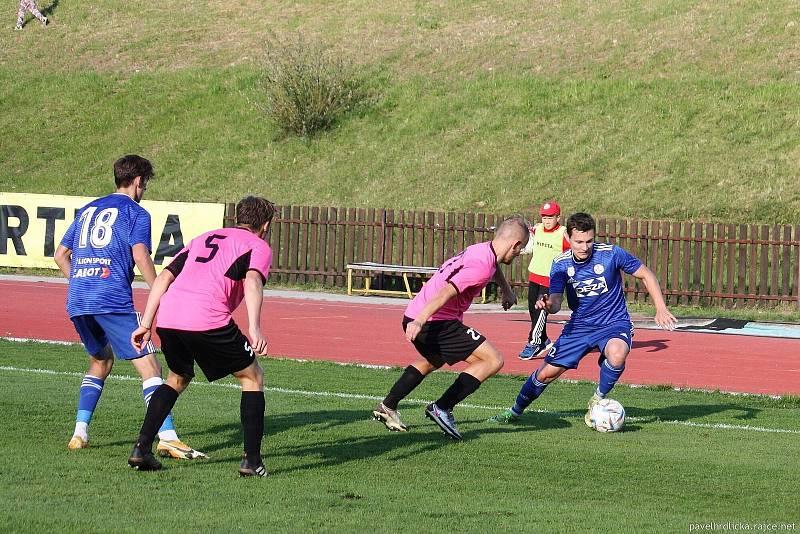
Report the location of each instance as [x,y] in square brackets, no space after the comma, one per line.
[607,415]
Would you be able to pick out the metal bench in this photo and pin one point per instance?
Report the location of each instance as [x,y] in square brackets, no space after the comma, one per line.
[402,270]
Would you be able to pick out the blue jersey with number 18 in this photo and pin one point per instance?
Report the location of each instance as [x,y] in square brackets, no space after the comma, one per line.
[101,238]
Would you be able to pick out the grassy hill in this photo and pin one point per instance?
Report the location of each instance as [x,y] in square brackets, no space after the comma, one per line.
[659,109]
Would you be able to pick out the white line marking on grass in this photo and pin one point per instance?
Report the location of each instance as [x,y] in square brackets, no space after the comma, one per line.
[287,391]
[726,426]
[377,366]
[45,341]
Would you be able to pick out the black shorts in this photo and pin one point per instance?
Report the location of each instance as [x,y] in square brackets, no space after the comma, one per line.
[446,342]
[219,352]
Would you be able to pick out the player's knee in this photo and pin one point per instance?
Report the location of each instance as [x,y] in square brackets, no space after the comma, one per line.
[101,368]
[251,378]
[494,359]
[178,382]
[498,362]
[259,376]
[490,356]
[548,373]
[616,357]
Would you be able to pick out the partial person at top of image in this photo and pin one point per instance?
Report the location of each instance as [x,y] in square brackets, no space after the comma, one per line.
[28,5]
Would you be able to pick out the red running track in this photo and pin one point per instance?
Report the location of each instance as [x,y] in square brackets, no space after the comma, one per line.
[372,334]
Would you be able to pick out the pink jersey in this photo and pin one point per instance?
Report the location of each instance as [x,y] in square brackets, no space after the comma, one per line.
[469,272]
[209,279]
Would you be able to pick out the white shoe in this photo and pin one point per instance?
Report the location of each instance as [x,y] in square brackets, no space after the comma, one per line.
[389,417]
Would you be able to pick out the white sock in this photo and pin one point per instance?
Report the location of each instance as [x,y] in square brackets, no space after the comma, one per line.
[82,431]
[168,435]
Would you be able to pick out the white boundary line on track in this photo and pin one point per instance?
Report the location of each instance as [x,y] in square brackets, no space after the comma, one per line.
[286,391]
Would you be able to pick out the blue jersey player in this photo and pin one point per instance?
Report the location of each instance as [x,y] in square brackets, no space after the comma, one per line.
[97,254]
[591,275]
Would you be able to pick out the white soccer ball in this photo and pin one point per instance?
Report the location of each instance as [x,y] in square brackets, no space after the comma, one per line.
[608,415]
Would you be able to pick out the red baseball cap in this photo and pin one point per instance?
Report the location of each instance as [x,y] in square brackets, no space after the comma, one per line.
[550,208]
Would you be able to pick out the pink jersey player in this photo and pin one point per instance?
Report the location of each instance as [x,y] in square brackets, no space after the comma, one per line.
[433,323]
[468,273]
[210,285]
[196,295]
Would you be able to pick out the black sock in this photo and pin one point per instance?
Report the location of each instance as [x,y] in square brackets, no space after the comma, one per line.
[162,401]
[464,386]
[252,415]
[410,379]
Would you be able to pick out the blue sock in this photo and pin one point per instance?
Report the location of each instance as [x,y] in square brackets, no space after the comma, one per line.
[167,430]
[608,377]
[530,391]
[89,394]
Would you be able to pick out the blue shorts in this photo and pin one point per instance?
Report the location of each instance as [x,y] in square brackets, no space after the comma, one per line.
[99,330]
[573,344]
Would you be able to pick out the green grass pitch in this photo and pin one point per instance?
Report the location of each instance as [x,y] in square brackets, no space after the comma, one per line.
[684,457]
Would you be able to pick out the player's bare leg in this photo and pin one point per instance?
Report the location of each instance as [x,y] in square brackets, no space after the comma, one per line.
[485,362]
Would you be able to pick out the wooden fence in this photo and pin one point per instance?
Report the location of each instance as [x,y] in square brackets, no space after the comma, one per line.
[696,263]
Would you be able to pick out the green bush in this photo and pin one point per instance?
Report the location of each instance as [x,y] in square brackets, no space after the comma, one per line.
[305,87]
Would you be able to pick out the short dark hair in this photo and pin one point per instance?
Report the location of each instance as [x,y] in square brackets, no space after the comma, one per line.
[253,212]
[127,168]
[582,222]
[517,222]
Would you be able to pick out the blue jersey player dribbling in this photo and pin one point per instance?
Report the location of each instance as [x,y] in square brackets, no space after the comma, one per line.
[97,255]
[591,275]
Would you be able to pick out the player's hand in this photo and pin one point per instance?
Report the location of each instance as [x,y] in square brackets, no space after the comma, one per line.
[665,319]
[509,299]
[258,342]
[412,330]
[140,338]
[544,303]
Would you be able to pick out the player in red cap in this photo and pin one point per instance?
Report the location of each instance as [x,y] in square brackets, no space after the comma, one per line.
[548,240]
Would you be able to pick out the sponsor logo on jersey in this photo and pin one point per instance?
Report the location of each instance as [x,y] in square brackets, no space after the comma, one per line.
[591,287]
[88,272]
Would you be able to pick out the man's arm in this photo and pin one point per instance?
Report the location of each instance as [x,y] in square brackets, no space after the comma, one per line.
[664,317]
[142,259]
[63,258]
[507,292]
[142,335]
[433,305]
[253,298]
[550,303]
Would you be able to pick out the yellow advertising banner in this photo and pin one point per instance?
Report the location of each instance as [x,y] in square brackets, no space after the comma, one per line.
[31,226]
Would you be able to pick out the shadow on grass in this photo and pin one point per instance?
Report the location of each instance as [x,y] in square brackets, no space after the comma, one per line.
[325,453]
[49,10]
[686,412]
